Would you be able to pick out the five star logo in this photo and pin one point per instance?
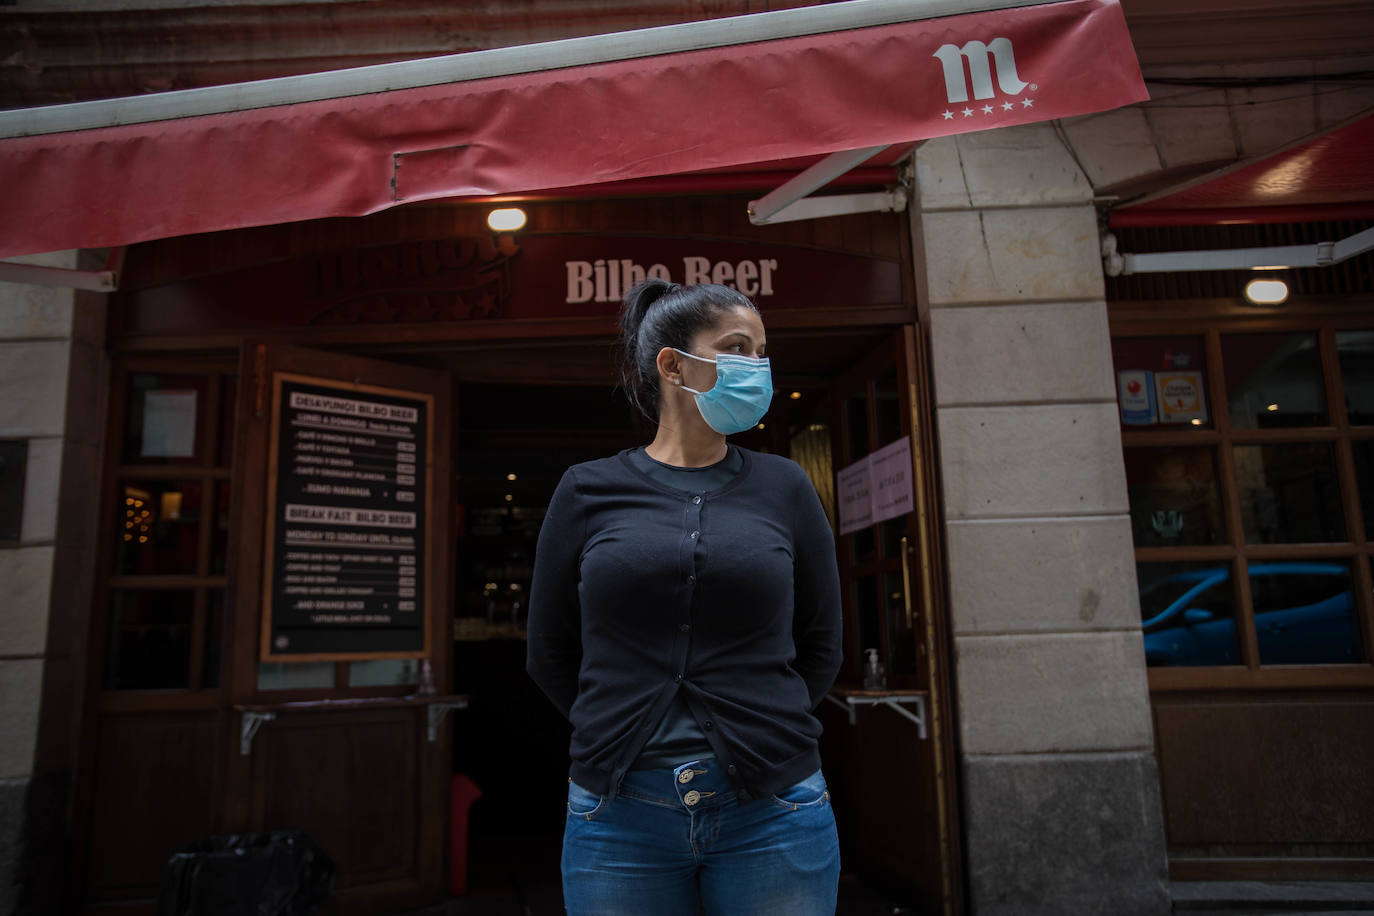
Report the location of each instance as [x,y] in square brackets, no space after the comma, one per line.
[982,60]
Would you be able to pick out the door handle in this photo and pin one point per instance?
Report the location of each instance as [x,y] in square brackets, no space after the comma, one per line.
[906,580]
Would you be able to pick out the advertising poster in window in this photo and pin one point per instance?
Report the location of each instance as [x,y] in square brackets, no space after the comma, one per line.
[1180,397]
[348,490]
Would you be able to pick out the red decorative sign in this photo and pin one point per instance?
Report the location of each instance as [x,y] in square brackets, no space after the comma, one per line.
[461,279]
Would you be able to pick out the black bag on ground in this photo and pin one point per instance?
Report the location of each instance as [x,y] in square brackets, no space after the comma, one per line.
[281,873]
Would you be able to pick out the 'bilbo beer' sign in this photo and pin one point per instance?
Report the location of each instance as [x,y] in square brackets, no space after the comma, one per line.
[347,495]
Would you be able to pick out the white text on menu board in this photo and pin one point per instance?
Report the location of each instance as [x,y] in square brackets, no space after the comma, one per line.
[362,449]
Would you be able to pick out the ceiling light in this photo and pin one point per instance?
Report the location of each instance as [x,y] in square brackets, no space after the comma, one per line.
[1272,407]
[761,426]
[510,476]
[507,219]
[796,395]
[510,497]
[1266,292]
[1196,422]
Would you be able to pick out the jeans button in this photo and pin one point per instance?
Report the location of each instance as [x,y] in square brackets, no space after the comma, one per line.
[731,769]
[691,798]
[685,776]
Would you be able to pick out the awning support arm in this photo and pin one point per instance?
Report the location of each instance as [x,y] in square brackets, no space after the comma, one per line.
[105,280]
[789,201]
[1321,254]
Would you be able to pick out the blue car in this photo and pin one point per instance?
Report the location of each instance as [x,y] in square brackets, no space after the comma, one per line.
[1304,615]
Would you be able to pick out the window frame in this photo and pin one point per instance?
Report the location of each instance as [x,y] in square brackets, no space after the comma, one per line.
[1211,320]
[211,475]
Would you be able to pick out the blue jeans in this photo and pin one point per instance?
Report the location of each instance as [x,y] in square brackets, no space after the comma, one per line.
[675,841]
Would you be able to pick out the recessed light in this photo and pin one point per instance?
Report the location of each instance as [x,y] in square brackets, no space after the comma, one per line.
[1266,292]
[507,219]
[796,395]
[510,476]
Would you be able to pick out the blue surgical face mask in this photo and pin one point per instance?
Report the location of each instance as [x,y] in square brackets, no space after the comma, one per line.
[741,395]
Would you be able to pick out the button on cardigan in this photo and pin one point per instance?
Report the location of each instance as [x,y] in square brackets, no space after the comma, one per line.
[730,596]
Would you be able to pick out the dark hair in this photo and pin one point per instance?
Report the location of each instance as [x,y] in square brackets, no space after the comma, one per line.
[660,314]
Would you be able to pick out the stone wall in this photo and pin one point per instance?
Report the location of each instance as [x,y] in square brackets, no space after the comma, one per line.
[52,382]
[1061,802]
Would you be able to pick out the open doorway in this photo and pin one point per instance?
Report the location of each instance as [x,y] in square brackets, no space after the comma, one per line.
[518,431]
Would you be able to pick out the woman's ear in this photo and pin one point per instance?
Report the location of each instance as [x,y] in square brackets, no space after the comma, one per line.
[669,366]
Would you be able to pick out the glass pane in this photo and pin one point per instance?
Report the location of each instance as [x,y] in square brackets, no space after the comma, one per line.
[219,530]
[1356,355]
[149,644]
[810,448]
[162,418]
[901,633]
[384,672]
[1174,497]
[870,627]
[1304,613]
[229,388]
[1288,493]
[888,407]
[295,675]
[1187,613]
[861,545]
[159,527]
[1364,473]
[1273,380]
[891,532]
[1356,349]
[856,410]
[214,632]
[1161,380]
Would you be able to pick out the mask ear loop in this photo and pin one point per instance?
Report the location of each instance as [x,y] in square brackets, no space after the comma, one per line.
[703,359]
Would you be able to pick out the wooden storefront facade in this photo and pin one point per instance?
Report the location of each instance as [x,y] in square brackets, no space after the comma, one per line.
[194,727]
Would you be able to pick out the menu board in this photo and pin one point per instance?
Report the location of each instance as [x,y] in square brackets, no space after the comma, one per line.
[348,493]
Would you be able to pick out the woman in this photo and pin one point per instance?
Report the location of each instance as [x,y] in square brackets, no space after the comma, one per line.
[685,616]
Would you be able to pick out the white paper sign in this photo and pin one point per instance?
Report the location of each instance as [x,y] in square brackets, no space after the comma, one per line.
[1180,397]
[854,487]
[1136,395]
[891,470]
[169,424]
[875,488]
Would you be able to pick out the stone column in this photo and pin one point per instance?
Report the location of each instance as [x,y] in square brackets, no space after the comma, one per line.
[52,379]
[1061,806]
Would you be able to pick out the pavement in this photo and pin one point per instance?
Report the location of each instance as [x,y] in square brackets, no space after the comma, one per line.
[1242,898]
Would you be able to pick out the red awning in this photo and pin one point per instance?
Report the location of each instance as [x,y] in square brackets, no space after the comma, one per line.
[1327,177]
[715,108]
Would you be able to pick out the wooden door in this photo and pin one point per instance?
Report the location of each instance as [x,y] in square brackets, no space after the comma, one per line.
[896,799]
[346,757]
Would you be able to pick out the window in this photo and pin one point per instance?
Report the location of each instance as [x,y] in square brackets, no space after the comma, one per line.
[168,517]
[1249,461]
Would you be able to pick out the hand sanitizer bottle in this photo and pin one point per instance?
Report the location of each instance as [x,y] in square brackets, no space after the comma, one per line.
[875,678]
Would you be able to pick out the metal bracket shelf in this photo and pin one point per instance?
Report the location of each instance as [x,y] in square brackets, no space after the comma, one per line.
[897,702]
[248,729]
[435,715]
[436,707]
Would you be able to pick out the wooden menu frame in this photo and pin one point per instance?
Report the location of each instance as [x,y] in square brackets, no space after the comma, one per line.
[269,622]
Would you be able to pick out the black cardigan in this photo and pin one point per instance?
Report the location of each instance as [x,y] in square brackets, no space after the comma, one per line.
[730,596]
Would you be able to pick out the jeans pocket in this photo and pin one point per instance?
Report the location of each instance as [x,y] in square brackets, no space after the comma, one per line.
[808,793]
[582,803]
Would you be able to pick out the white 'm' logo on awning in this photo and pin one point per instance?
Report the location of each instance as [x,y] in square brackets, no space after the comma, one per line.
[977,54]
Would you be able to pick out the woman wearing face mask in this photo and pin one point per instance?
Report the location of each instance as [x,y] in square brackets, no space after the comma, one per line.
[685,616]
